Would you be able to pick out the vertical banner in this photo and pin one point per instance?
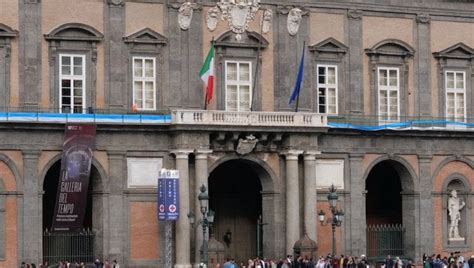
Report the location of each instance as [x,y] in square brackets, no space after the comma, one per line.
[168,195]
[71,198]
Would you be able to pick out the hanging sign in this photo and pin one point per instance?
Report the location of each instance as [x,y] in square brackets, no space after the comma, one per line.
[71,198]
[168,195]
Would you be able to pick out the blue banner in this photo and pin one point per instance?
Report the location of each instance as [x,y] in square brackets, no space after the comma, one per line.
[168,195]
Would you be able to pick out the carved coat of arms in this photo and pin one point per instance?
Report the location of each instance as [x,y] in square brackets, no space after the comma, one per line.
[246,145]
[238,13]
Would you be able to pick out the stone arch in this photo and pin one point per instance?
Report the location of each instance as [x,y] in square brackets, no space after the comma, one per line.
[446,162]
[405,170]
[103,183]
[74,32]
[264,171]
[14,169]
[404,204]
[392,47]
[270,199]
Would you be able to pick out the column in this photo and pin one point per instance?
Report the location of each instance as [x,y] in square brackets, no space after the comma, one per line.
[310,197]
[357,206]
[202,176]
[117,173]
[425,224]
[31,219]
[183,227]
[292,199]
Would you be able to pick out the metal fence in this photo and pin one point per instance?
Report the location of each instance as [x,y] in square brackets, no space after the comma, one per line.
[385,239]
[73,247]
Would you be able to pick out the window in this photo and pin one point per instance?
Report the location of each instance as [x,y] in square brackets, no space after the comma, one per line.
[144,87]
[72,83]
[238,81]
[388,95]
[327,89]
[455,84]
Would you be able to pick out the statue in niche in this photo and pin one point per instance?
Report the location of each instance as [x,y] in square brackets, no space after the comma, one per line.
[266,20]
[293,21]
[212,18]
[185,15]
[455,205]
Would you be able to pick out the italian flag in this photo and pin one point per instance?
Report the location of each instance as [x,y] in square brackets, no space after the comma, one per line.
[207,73]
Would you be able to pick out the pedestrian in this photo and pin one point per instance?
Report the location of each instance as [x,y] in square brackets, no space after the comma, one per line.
[115,264]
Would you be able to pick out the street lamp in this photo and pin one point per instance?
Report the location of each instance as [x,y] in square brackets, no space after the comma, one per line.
[337,216]
[205,222]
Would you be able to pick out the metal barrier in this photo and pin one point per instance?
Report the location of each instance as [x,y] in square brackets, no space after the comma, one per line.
[72,247]
[385,239]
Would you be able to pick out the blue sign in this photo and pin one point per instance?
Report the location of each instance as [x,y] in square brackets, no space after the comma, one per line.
[168,195]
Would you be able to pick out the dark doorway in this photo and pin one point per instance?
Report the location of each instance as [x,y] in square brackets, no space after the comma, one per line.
[71,246]
[385,232]
[383,200]
[235,195]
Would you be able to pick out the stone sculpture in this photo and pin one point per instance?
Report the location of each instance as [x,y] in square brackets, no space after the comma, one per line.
[293,21]
[455,205]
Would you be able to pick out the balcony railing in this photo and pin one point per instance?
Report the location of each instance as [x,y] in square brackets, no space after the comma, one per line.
[275,119]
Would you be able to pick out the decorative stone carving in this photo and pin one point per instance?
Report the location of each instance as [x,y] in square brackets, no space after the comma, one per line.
[354,14]
[266,21]
[423,18]
[212,18]
[185,15]
[293,21]
[246,145]
[116,2]
[238,14]
[455,205]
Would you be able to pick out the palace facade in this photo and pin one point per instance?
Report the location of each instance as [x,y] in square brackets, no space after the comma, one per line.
[385,114]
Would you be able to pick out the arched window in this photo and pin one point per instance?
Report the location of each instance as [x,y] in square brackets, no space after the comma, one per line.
[72,63]
[388,72]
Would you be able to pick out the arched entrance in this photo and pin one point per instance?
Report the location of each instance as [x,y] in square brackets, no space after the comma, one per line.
[81,246]
[235,189]
[389,210]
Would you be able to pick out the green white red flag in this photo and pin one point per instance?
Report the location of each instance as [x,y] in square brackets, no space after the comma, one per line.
[207,73]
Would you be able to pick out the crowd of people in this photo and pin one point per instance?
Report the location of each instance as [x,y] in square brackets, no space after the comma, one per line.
[454,260]
[66,264]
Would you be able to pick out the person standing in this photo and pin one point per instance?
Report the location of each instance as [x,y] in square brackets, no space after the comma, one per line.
[389,262]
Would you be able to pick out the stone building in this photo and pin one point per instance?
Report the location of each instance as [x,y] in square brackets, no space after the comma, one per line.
[385,114]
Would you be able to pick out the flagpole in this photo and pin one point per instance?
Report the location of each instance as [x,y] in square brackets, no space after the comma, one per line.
[298,97]
[256,65]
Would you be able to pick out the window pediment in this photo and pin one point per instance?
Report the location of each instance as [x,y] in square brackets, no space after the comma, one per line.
[74,32]
[330,45]
[7,32]
[391,47]
[146,36]
[247,40]
[457,51]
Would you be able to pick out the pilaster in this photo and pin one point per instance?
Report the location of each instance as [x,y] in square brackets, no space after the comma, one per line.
[426,207]
[356,95]
[183,227]
[31,220]
[30,52]
[357,215]
[422,69]
[292,199]
[117,164]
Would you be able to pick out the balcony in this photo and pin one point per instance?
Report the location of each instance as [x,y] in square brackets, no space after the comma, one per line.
[257,119]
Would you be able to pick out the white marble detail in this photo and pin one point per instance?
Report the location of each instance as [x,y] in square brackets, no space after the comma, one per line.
[185,15]
[328,172]
[266,21]
[238,14]
[212,18]
[293,21]
[143,172]
[455,205]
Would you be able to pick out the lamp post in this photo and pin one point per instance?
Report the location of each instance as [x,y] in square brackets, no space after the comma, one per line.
[337,215]
[205,222]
